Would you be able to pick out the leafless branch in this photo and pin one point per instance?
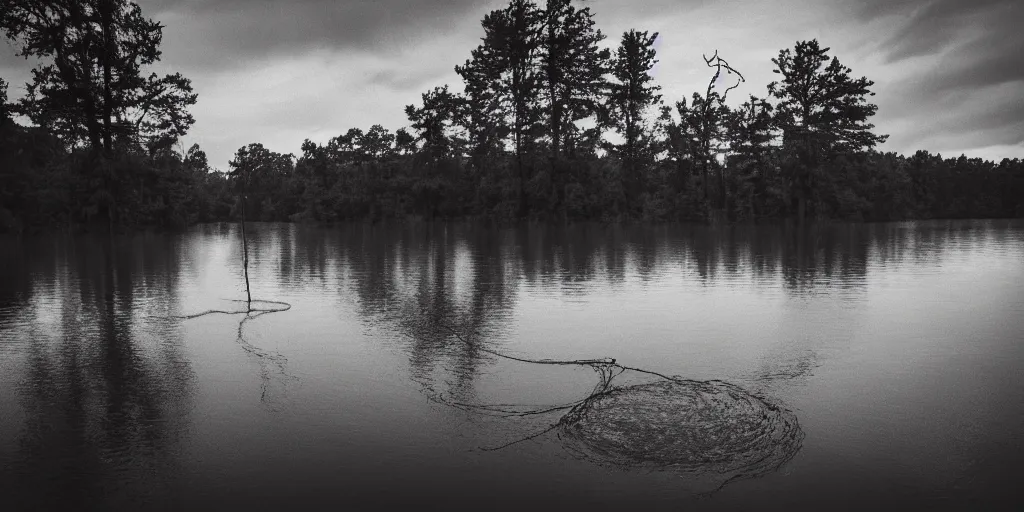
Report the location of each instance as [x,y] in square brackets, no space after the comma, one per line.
[717,62]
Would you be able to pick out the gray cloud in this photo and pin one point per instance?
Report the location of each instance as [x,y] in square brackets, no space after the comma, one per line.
[971,128]
[928,26]
[217,33]
[969,92]
[994,58]
[404,80]
[981,41]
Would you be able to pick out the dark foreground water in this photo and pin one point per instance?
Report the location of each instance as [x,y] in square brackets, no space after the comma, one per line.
[830,367]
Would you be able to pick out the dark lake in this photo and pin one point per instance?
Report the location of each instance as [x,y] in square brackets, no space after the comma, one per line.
[840,366]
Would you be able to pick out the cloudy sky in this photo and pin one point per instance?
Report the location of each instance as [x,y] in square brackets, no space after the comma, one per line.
[949,74]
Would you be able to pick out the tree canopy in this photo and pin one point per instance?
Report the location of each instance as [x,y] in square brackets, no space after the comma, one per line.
[823,113]
[92,88]
[552,121]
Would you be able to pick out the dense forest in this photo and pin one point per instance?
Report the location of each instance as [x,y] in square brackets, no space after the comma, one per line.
[553,123]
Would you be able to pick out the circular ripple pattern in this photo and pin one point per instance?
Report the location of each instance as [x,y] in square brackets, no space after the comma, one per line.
[693,427]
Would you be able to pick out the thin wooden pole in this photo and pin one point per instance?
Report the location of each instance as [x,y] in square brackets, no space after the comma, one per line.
[245,252]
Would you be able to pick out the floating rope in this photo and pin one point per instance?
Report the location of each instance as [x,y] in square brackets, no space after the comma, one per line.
[710,430]
[249,311]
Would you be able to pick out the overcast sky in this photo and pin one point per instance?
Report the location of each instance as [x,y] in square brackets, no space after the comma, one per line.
[949,74]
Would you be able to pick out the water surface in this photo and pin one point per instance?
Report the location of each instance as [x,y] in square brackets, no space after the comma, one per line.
[897,347]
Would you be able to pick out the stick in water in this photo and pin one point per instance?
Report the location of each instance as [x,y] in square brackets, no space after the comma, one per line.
[245,253]
[266,358]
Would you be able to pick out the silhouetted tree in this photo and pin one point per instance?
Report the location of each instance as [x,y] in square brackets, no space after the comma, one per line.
[750,132]
[91,88]
[714,115]
[405,143]
[260,177]
[347,148]
[378,143]
[630,95]
[5,109]
[195,159]
[507,63]
[822,112]
[486,128]
[522,139]
[573,73]
[437,123]
[700,133]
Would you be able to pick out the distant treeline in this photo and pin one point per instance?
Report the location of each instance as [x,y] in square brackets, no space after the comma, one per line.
[551,124]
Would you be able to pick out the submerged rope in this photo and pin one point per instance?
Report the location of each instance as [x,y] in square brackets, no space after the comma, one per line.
[607,369]
[697,428]
[249,311]
[264,357]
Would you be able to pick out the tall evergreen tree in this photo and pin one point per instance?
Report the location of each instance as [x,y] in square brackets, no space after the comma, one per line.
[573,73]
[574,69]
[822,112]
[714,115]
[504,80]
[630,95]
[702,133]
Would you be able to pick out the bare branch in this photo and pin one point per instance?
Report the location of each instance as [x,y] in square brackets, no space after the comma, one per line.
[719,64]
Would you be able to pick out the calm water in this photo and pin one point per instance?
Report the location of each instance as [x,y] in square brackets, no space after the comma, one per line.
[897,347]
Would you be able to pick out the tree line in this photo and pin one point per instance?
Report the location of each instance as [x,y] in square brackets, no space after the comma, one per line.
[552,123]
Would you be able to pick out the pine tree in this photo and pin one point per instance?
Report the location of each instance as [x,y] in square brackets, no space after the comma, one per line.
[574,68]
[573,73]
[702,129]
[822,112]
[630,95]
[503,83]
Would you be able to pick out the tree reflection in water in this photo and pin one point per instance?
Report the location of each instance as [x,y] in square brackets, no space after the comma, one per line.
[106,391]
[744,435]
